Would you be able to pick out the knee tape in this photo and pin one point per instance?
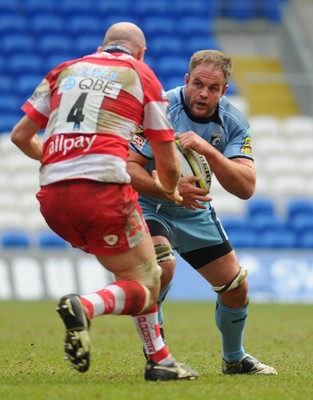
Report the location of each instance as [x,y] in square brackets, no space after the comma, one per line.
[236,282]
[164,253]
[147,274]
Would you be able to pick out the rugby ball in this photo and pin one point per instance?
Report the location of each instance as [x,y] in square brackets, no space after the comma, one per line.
[195,164]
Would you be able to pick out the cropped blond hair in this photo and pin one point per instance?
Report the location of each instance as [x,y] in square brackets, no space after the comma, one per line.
[219,59]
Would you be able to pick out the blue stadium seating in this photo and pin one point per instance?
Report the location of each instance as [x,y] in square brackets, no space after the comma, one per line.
[49,239]
[81,25]
[260,206]
[243,238]
[15,239]
[27,63]
[18,42]
[34,7]
[277,238]
[157,26]
[13,23]
[305,240]
[26,84]
[8,120]
[298,206]
[54,44]
[195,25]
[46,23]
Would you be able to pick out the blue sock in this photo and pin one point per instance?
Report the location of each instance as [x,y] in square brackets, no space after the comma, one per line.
[162,296]
[231,322]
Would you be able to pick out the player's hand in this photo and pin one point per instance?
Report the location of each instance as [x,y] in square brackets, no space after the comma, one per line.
[171,195]
[191,194]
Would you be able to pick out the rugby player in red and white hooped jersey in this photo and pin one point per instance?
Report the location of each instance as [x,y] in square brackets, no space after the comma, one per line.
[90,108]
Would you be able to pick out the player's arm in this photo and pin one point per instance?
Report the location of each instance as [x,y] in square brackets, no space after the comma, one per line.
[25,137]
[142,181]
[237,175]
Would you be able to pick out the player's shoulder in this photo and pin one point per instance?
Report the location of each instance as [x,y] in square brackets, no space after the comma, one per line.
[174,97]
[229,114]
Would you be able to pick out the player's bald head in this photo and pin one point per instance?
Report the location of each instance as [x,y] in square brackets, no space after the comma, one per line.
[126,34]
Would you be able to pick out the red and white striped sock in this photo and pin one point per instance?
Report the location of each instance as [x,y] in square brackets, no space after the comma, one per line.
[149,330]
[119,298]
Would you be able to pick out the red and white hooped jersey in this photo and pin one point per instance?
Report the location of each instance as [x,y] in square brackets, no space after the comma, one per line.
[90,109]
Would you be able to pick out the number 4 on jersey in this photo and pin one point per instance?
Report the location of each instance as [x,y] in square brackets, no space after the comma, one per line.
[76,114]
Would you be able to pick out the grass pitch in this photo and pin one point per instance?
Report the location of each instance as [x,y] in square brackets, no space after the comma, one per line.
[32,366]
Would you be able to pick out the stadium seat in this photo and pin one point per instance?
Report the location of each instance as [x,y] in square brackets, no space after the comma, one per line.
[55,59]
[277,238]
[162,46]
[199,42]
[298,125]
[172,81]
[13,43]
[195,26]
[13,23]
[234,222]
[172,65]
[49,239]
[260,206]
[87,44]
[246,238]
[120,6]
[298,206]
[155,26]
[265,124]
[305,240]
[302,223]
[70,7]
[47,23]
[239,10]
[26,84]
[287,185]
[195,8]
[28,63]
[145,9]
[271,10]
[111,19]
[54,44]
[15,239]
[8,120]
[10,6]
[9,103]
[83,25]
[267,223]
[34,7]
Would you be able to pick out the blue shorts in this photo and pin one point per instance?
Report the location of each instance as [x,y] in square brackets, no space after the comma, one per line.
[197,235]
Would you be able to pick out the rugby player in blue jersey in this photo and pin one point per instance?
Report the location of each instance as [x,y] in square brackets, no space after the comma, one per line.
[206,121]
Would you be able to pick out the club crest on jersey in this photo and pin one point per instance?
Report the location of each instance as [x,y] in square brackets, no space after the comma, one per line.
[216,139]
[111,240]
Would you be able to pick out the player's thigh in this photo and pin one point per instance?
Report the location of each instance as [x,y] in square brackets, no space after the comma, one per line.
[124,261]
[222,270]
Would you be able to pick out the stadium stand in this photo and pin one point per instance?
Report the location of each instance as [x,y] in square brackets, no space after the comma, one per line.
[36,37]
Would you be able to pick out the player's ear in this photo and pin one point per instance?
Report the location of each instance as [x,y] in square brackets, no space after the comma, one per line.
[141,53]
[186,78]
[225,89]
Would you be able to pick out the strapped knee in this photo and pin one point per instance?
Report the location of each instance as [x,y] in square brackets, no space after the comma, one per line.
[164,253]
[235,283]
